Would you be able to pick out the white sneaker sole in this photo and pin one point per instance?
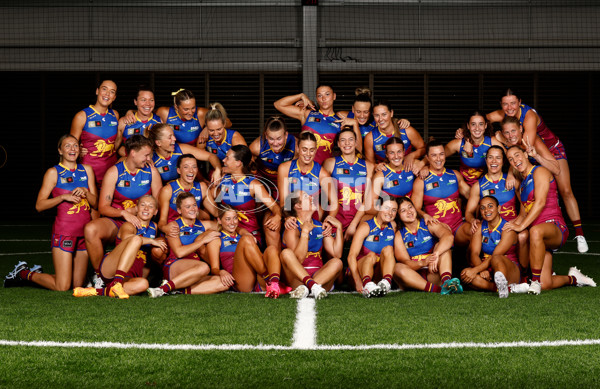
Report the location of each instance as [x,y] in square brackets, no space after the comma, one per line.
[501,284]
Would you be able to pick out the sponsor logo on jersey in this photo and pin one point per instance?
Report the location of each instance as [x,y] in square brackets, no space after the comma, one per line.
[124,184]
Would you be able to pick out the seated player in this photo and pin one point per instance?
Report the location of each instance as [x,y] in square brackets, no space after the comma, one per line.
[423,253]
[371,256]
[122,270]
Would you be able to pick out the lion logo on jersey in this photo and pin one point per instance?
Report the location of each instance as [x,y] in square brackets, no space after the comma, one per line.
[129,204]
[472,173]
[349,195]
[508,211]
[102,148]
[322,142]
[242,217]
[444,206]
[76,208]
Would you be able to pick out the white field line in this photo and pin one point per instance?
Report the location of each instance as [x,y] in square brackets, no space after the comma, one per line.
[32,253]
[575,253]
[305,328]
[226,347]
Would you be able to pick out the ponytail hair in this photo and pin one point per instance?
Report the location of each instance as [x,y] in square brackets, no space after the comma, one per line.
[216,111]
[274,123]
[182,95]
[243,154]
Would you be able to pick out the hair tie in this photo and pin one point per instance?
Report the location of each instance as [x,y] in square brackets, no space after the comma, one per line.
[175,93]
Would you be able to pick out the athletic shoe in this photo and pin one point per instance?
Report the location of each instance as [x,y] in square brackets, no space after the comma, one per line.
[84,292]
[117,291]
[284,289]
[272,290]
[14,274]
[535,288]
[451,286]
[299,293]
[318,292]
[155,292]
[519,288]
[36,269]
[97,282]
[582,245]
[385,287]
[582,279]
[501,284]
[371,290]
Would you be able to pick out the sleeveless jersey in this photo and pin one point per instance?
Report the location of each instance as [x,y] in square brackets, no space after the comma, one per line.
[148,231]
[227,251]
[378,238]
[379,140]
[220,149]
[139,127]
[397,184]
[176,189]
[307,182]
[167,167]
[351,181]
[186,131]
[325,129]
[472,168]
[551,211]
[237,195]
[98,137]
[549,138]
[315,245]
[131,186]
[268,161]
[420,243]
[364,128]
[187,235]
[507,199]
[440,198]
[490,237]
[70,218]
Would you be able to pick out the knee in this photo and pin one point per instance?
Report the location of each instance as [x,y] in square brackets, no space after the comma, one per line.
[271,250]
[400,270]
[535,235]
[336,264]
[287,255]
[201,269]
[523,237]
[387,252]
[90,230]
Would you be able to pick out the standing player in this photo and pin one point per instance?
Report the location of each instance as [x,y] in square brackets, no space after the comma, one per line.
[534,127]
[96,127]
[73,190]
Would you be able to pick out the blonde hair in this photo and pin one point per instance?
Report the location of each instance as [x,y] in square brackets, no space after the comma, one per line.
[216,111]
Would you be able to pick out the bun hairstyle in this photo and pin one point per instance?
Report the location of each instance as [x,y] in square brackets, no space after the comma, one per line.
[363,90]
[182,95]
[216,111]
[273,124]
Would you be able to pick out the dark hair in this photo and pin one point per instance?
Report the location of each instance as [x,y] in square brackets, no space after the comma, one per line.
[274,123]
[467,132]
[136,142]
[143,88]
[182,95]
[292,199]
[510,120]
[184,156]
[182,196]
[363,90]
[511,147]
[495,200]
[402,200]
[243,154]
[346,128]
[65,136]
[432,143]
[496,147]
[324,85]
[103,81]
[363,98]
[307,135]
[153,132]
[511,92]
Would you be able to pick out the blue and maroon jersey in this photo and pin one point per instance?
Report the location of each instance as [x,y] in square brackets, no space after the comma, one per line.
[419,243]
[148,231]
[307,182]
[472,167]
[507,199]
[490,237]
[220,149]
[551,211]
[140,126]
[378,238]
[227,251]
[98,137]
[176,189]
[237,195]
[397,184]
[314,259]
[70,218]
[364,128]
[167,167]
[187,236]
[440,198]
[325,128]
[379,140]
[351,181]
[549,138]
[268,161]
[186,131]
[131,186]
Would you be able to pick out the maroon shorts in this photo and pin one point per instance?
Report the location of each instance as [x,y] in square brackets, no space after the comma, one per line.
[166,267]
[136,270]
[69,244]
[558,151]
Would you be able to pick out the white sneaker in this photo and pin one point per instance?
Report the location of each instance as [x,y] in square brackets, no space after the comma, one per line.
[385,287]
[318,292]
[582,245]
[582,279]
[519,288]
[97,282]
[501,284]
[155,292]
[36,269]
[14,274]
[535,288]
[300,292]
[371,290]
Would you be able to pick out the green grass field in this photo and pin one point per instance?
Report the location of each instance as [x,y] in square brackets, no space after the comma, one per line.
[406,339]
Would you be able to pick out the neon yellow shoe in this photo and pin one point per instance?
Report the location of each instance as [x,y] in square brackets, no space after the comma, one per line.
[118,292]
[84,292]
